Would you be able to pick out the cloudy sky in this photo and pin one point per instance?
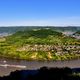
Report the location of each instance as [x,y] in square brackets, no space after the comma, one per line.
[39,12]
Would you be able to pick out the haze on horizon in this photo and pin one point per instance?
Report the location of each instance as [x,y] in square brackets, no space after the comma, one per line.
[39,13]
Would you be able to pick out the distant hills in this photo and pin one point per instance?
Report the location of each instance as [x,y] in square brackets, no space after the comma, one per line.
[19,28]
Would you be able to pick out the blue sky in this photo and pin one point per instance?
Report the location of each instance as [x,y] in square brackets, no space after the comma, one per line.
[39,12]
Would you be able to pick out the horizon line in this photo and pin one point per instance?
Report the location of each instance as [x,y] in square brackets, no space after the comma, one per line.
[38,26]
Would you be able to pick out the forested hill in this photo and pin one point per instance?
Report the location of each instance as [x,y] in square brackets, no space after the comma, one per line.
[39,44]
[35,36]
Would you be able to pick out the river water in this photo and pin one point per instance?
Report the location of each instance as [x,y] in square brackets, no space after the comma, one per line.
[34,65]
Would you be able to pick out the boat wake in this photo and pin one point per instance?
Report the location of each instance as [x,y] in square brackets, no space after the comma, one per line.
[16,66]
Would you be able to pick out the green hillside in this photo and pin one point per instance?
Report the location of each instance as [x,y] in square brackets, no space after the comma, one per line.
[35,36]
[39,44]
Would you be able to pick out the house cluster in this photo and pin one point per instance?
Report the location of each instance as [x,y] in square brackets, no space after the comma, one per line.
[54,48]
[77,36]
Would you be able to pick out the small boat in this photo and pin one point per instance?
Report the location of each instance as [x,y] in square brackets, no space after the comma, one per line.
[16,66]
[4,61]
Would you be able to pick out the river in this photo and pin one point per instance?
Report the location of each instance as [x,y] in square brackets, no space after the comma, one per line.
[19,65]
